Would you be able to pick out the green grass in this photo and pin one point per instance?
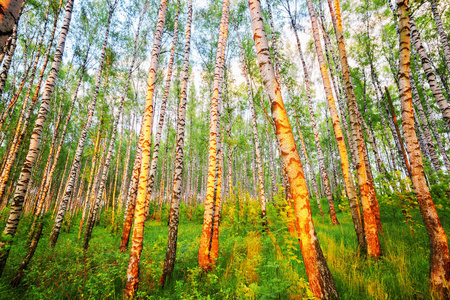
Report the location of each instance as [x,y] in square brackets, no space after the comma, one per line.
[251,264]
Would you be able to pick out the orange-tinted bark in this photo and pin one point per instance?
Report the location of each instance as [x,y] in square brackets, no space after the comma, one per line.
[319,276]
[205,239]
[439,251]
[144,142]
[348,180]
[367,190]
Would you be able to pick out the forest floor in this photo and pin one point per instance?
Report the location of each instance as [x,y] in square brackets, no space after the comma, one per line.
[251,264]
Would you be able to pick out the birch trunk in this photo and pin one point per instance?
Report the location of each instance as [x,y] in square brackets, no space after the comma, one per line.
[169,261]
[439,252]
[272,170]
[9,54]
[39,197]
[431,77]
[103,174]
[348,180]
[24,120]
[367,191]
[104,169]
[116,174]
[144,142]
[154,163]
[420,138]
[337,87]
[262,195]
[434,129]
[22,184]
[320,279]
[91,177]
[382,119]
[313,177]
[323,171]
[442,33]
[203,253]
[124,177]
[370,133]
[49,178]
[230,159]
[426,129]
[214,247]
[81,142]
[31,78]
[9,18]
[398,138]
[273,41]
[130,202]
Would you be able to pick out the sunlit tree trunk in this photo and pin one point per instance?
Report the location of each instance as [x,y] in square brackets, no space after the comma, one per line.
[348,180]
[144,142]
[439,252]
[369,132]
[204,249]
[320,279]
[154,163]
[367,190]
[323,171]
[284,175]
[214,234]
[130,203]
[337,86]
[214,248]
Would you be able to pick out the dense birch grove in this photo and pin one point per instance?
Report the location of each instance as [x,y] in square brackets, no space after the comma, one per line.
[260,149]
